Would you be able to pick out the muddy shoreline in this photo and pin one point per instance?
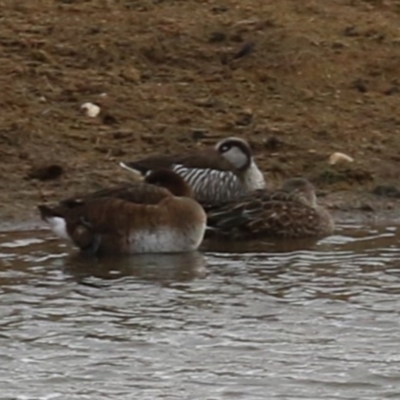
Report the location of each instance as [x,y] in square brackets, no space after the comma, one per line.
[298,81]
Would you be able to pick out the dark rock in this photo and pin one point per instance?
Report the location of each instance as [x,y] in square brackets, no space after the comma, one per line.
[337,45]
[391,90]
[245,50]
[236,37]
[122,134]
[219,9]
[386,191]
[273,143]
[366,207]
[45,172]
[350,31]
[244,119]
[217,37]
[199,134]
[109,119]
[360,85]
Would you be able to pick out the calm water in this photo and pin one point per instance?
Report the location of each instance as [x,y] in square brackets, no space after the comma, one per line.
[303,321]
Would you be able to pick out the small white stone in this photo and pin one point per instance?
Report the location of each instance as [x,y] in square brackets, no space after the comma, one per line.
[338,157]
[91,110]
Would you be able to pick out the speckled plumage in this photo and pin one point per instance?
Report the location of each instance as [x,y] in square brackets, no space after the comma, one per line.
[291,212]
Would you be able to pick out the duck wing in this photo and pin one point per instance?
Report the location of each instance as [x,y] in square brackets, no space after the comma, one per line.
[136,192]
[266,214]
[100,223]
[203,159]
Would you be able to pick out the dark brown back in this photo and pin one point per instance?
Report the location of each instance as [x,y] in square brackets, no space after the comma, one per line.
[168,179]
[204,159]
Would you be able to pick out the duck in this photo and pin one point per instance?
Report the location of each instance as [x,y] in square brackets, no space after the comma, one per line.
[157,215]
[216,174]
[289,212]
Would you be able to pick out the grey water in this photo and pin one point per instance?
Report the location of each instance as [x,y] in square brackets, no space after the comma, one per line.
[290,320]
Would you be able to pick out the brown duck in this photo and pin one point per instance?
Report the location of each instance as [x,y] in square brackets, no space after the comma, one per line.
[155,216]
[291,212]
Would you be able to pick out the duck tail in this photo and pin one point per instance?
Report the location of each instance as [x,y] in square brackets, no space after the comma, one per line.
[129,168]
[55,220]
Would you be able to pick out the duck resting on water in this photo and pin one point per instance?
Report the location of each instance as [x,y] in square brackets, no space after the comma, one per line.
[291,212]
[158,215]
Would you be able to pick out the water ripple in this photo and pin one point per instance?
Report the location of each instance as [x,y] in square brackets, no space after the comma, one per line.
[288,320]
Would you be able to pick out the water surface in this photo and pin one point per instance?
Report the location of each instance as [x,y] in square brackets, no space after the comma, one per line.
[295,320]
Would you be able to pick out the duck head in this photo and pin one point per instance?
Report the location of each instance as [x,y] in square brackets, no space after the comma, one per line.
[302,188]
[237,151]
[170,180]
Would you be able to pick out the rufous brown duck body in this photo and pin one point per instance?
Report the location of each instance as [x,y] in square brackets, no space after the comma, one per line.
[155,216]
[217,174]
[291,212]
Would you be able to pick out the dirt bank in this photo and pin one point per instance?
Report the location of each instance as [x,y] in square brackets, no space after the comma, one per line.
[300,80]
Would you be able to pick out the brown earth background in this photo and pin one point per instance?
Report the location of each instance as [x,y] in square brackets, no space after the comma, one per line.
[299,79]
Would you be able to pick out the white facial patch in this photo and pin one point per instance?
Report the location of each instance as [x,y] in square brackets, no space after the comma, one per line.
[58,226]
[236,157]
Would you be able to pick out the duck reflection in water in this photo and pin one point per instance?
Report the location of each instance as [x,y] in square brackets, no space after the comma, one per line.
[160,268]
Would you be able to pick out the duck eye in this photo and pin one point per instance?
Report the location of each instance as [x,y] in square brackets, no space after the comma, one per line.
[225,148]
